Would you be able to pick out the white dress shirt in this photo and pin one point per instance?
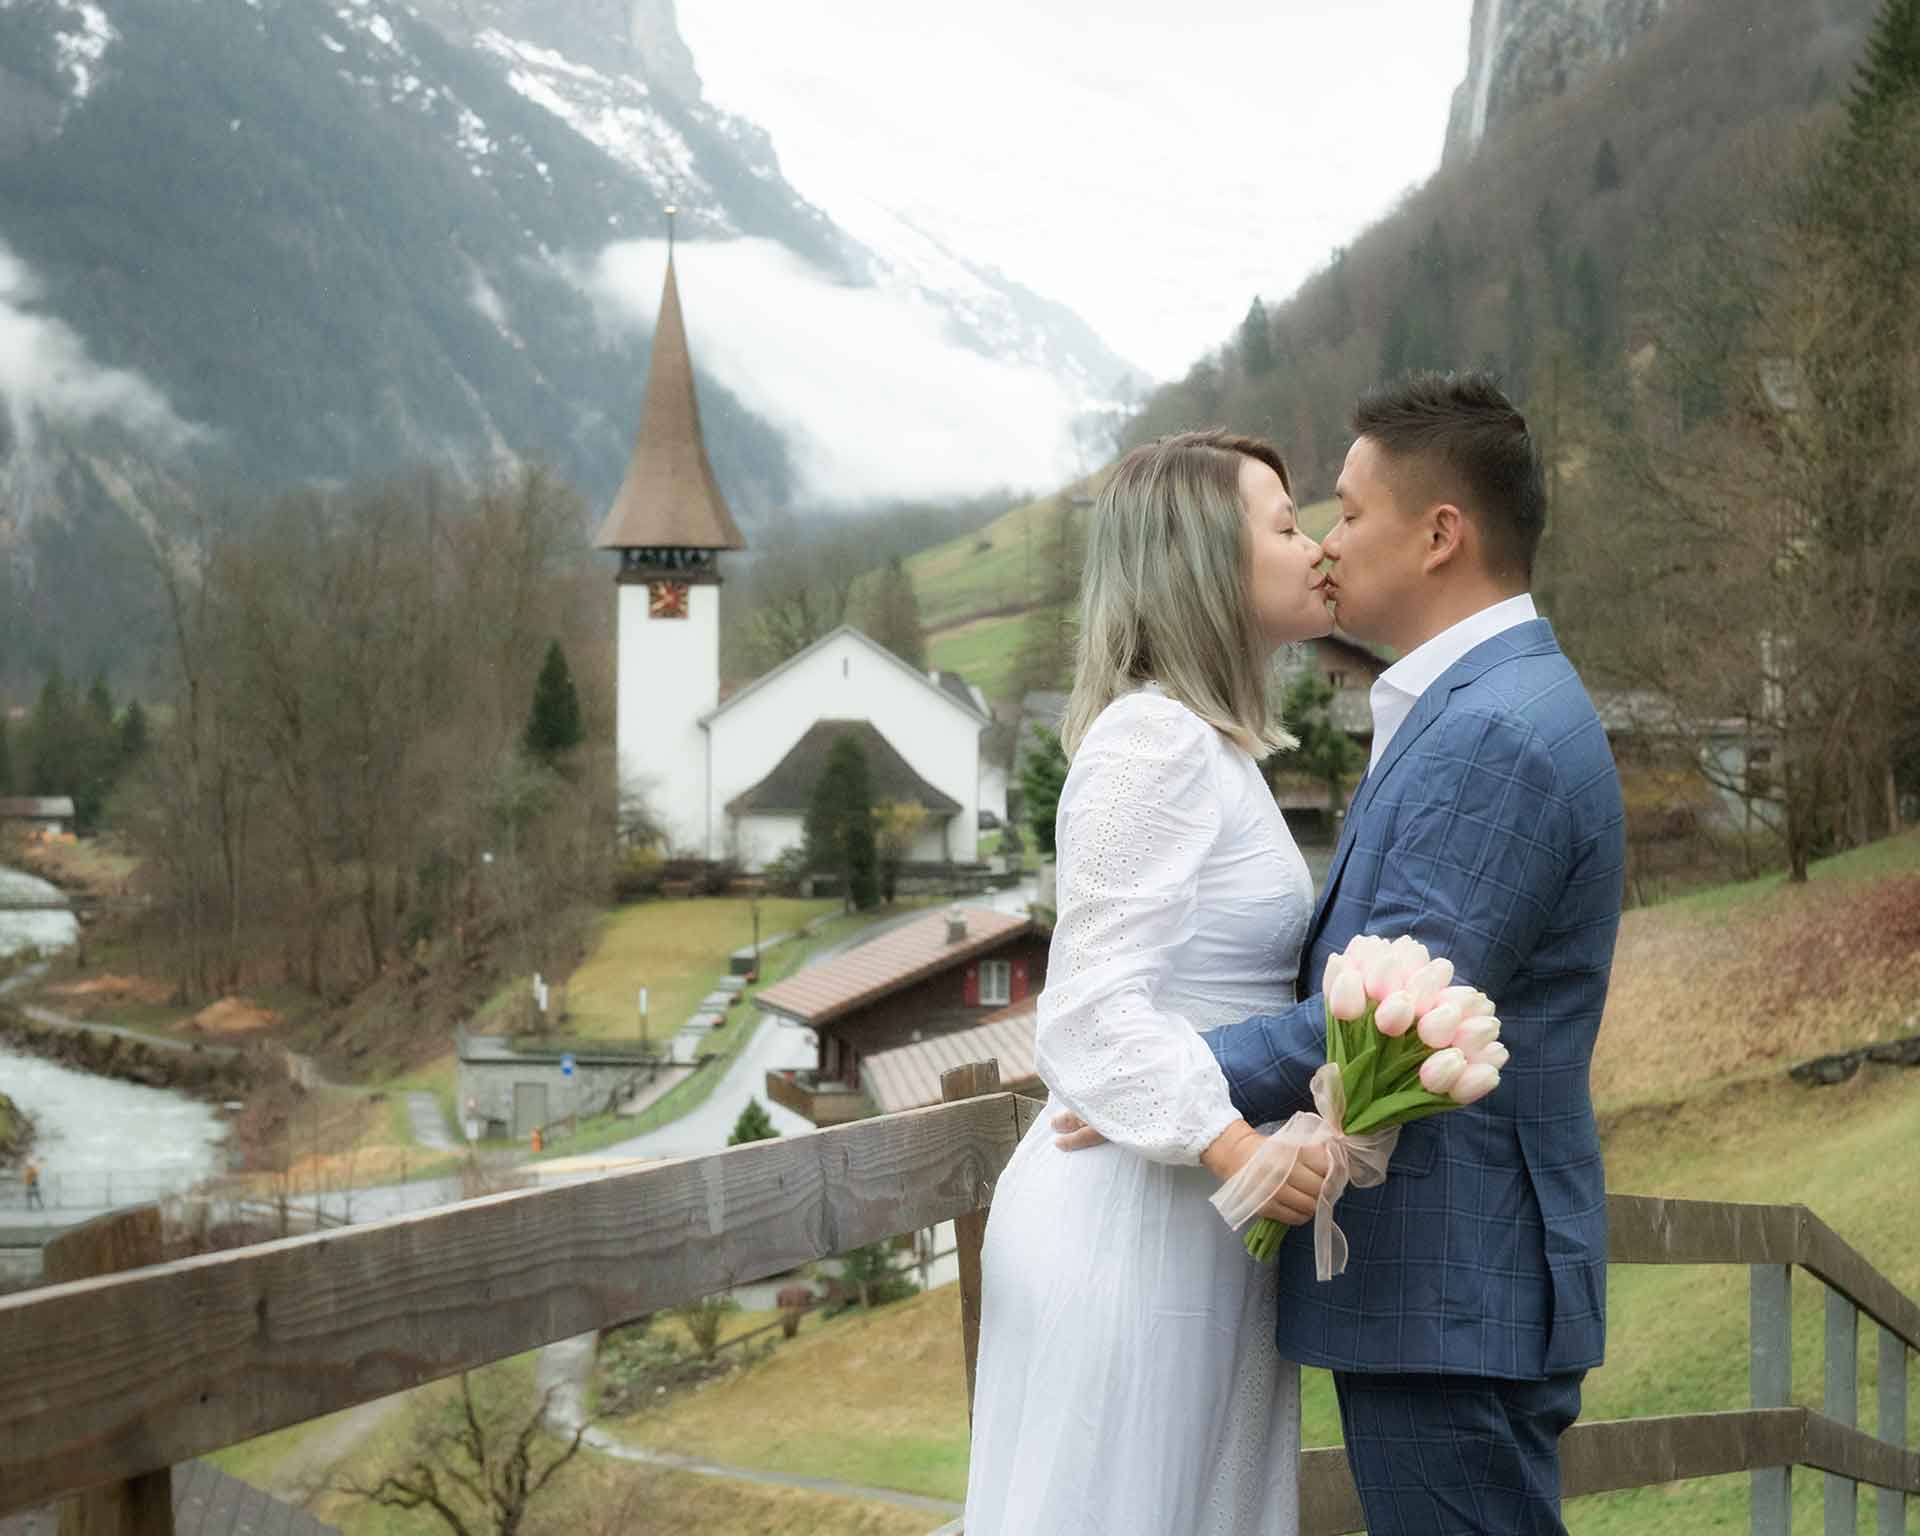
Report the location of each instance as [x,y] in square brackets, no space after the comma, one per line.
[1398,688]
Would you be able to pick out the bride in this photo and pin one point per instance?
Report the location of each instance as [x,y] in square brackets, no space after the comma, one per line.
[1127,1381]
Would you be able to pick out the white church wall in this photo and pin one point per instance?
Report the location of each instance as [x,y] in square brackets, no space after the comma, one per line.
[669,678]
[846,678]
[756,841]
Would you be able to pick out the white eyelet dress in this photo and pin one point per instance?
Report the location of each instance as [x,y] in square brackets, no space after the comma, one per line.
[1128,1383]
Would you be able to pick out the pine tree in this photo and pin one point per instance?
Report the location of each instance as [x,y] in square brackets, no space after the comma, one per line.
[1043,773]
[1889,74]
[839,823]
[52,739]
[1593,310]
[754,1124]
[1519,350]
[6,759]
[133,733]
[1606,167]
[1325,751]
[96,755]
[1256,341]
[554,728]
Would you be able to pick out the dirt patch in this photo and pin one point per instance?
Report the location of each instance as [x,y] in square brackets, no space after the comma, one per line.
[234,1016]
[108,989]
[1716,995]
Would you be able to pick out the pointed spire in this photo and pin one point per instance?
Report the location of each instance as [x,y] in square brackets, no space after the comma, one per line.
[669,498]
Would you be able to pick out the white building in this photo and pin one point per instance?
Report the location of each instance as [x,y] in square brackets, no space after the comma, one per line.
[733,780]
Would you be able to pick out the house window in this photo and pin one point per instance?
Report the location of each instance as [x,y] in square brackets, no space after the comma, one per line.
[996,983]
[1337,679]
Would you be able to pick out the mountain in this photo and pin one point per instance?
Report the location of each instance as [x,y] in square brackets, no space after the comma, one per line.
[264,243]
[1526,51]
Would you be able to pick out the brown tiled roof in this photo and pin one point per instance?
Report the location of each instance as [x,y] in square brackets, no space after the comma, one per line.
[789,788]
[908,1076]
[206,1502]
[669,498]
[876,969]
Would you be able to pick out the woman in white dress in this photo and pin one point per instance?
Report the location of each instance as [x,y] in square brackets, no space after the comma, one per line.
[1128,1383]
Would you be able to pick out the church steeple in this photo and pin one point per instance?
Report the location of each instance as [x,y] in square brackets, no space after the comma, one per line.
[669,513]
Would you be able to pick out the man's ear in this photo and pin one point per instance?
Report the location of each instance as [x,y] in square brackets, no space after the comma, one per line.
[1447,534]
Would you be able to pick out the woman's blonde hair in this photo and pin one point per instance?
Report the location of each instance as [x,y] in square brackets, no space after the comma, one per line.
[1165,597]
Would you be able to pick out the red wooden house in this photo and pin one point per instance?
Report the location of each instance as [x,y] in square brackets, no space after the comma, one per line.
[938,975]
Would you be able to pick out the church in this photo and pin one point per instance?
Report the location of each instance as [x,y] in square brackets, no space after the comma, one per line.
[730,779]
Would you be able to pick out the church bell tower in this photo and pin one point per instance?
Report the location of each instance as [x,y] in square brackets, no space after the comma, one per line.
[669,524]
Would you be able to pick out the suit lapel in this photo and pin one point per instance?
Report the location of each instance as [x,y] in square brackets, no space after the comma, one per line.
[1522,640]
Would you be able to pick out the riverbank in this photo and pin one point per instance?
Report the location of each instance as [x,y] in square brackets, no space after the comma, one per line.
[16,1132]
[197,1074]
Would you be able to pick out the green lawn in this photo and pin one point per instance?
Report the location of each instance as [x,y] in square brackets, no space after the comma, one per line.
[986,652]
[677,950]
[1889,857]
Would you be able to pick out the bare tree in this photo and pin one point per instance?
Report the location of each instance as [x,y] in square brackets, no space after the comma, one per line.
[476,1465]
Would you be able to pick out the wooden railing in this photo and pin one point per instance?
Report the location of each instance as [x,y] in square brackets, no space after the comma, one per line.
[108,1381]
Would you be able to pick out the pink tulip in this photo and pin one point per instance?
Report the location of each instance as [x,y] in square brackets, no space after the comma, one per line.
[1441,1070]
[1348,995]
[1335,965]
[1408,955]
[1494,1055]
[1471,1002]
[1383,976]
[1394,1017]
[1475,1035]
[1426,984]
[1359,946]
[1437,1026]
[1473,1082]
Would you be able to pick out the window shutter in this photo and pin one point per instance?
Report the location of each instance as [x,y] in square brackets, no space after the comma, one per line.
[970,986]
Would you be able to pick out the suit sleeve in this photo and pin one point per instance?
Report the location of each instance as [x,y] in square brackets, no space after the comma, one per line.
[1477,856]
[1138,817]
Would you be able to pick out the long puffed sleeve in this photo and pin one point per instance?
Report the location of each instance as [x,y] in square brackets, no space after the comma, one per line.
[1138,815]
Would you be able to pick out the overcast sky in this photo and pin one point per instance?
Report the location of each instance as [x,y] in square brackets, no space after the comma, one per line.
[1152,165]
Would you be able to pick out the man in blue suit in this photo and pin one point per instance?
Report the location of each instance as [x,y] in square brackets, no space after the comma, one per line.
[1489,826]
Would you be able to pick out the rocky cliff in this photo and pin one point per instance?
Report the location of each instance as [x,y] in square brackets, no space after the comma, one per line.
[1524,51]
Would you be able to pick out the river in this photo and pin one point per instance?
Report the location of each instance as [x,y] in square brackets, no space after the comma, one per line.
[101,1143]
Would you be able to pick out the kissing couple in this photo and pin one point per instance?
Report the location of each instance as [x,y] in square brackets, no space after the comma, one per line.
[1138,1370]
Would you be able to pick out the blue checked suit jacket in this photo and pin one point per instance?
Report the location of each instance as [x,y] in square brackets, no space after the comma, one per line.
[1491,830]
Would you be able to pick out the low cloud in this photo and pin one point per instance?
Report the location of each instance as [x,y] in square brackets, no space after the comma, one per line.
[876,401]
[46,375]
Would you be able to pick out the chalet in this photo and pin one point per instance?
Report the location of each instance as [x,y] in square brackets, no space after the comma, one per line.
[944,974]
[42,816]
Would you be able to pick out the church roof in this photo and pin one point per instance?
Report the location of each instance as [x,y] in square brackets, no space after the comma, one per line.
[788,790]
[669,498]
[766,679]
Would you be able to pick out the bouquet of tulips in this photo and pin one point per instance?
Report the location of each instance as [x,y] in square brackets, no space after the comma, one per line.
[1402,1043]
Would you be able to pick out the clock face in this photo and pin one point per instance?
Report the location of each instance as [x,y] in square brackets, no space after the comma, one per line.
[666,599]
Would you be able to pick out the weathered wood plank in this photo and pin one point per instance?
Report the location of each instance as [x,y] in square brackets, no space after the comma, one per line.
[1857,1456]
[108,1245]
[1840,1265]
[1329,1503]
[970,1230]
[1646,1229]
[1609,1455]
[103,1379]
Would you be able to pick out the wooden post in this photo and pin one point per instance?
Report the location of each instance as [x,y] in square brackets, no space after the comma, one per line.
[107,1245]
[970,1230]
[1842,1404]
[1892,1503]
[1770,1370]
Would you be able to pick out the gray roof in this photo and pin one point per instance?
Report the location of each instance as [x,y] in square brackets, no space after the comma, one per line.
[734,700]
[206,1502]
[788,790]
[37,808]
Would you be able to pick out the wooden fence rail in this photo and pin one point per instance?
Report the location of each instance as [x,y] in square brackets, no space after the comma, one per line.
[104,1380]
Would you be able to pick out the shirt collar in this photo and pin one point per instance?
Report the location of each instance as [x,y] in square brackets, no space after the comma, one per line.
[1417,671]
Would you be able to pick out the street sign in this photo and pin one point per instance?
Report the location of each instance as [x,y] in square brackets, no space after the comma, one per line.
[566,1065]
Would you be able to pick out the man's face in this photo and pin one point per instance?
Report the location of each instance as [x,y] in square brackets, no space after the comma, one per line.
[1378,551]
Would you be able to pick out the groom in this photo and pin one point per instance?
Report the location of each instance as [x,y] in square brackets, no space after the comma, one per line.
[1489,826]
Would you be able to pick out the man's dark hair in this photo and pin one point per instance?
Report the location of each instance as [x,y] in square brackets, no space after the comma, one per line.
[1459,438]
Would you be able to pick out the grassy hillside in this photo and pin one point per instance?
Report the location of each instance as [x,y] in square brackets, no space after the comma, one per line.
[977,592]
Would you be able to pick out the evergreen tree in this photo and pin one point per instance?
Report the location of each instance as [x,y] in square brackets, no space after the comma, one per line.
[1325,751]
[1435,341]
[893,614]
[1396,349]
[96,755]
[554,728]
[1256,341]
[1889,74]
[1549,237]
[1606,167]
[839,823]
[1042,775]
[6,759]
[754,1124]
[1045,660]
[52,739]
[133,734]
